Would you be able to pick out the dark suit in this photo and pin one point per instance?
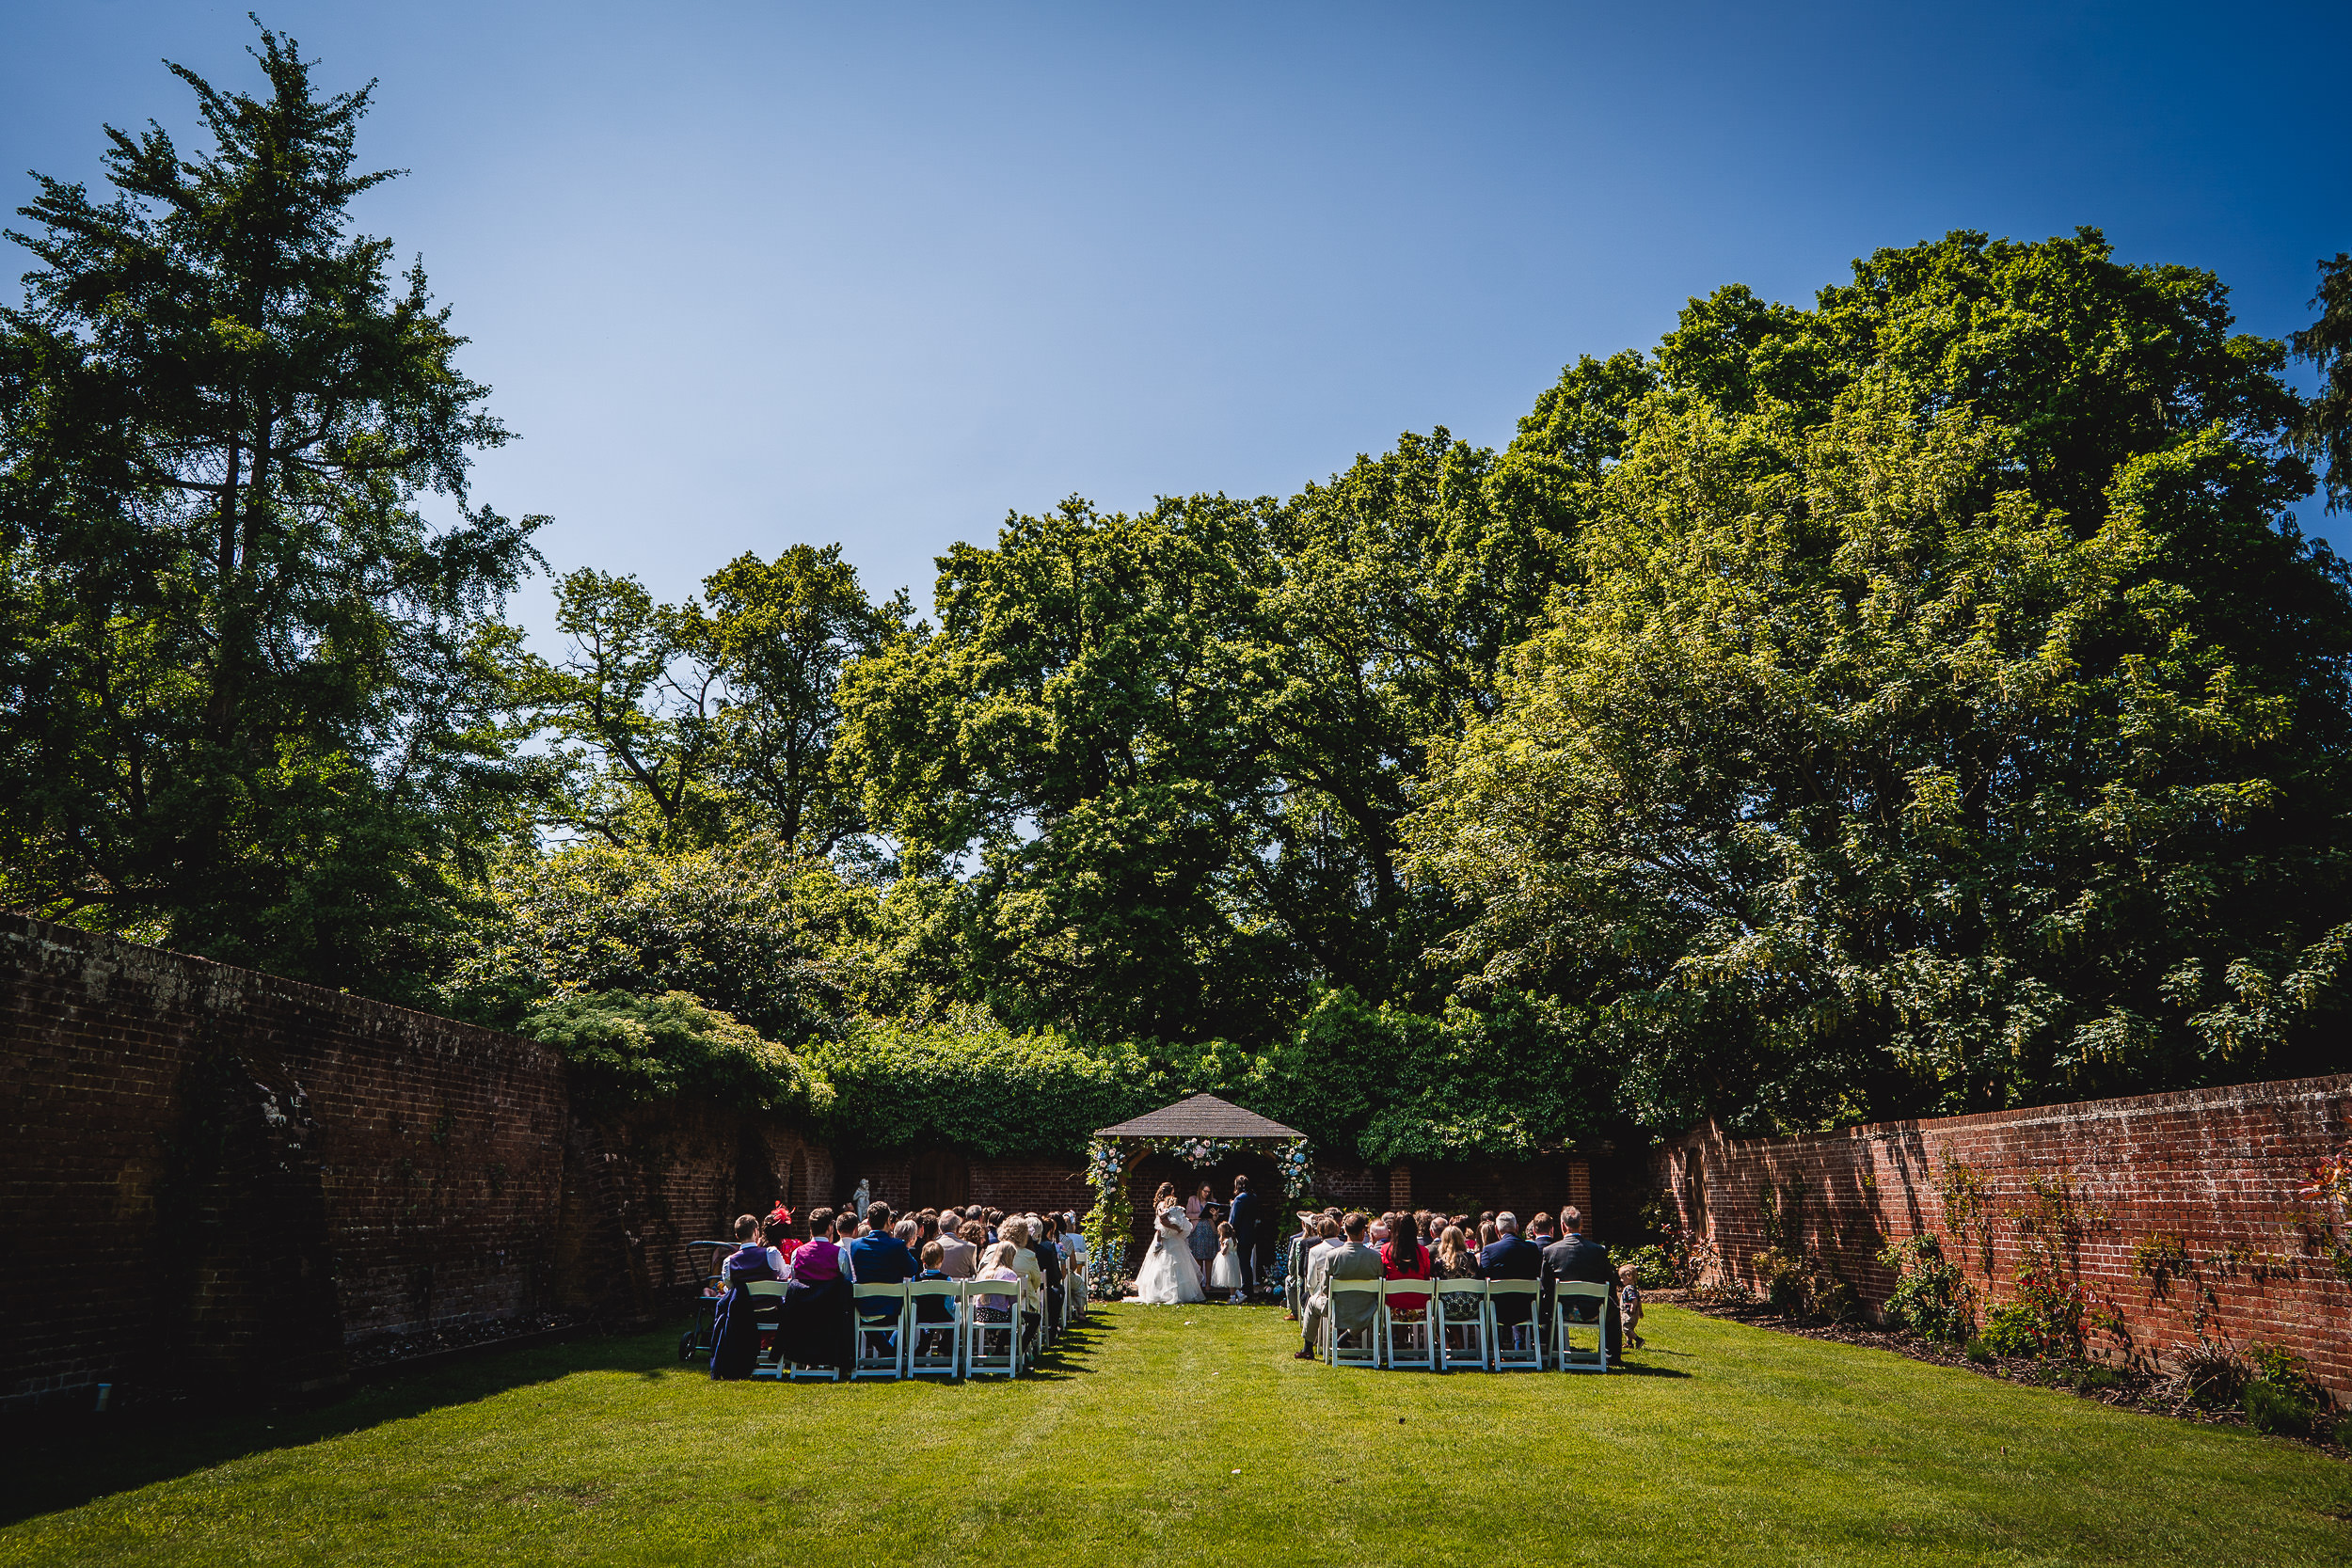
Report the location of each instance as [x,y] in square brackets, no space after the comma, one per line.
[1247,1221]
[1511,1258]
[1573,1257]
[881,1260]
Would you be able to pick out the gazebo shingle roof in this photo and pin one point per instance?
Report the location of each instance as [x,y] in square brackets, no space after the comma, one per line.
[1204,1115]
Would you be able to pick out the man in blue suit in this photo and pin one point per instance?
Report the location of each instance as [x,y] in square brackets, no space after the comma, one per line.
[1246,1221]
[1509,1257]
[881,1259]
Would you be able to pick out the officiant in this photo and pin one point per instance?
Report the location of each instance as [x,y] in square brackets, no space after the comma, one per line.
[1250,1232]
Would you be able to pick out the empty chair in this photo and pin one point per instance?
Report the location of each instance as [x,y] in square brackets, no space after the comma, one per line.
[1457,1310]
[981,1359]
[1408,1324]
[1368,1353]
[934,1347]
[1565,1354]
[1513,1347]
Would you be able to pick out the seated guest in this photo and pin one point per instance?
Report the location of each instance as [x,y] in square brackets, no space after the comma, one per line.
[814,1330]
[1487,1234]
[911,1233]
[734,1340]
[1346,1259]
[925,1231]
[932,1309]
[782,1243]
[995,1263]
[880,1257]
[1404,1257]
[958,1258]
[1054,1257]
[820,1258]
[1454,1260]
[995,1225]
[1294,1250]
[1574,1258]
[1380,1229]
[1539,1231]
[1015,1234]
[1509,1257]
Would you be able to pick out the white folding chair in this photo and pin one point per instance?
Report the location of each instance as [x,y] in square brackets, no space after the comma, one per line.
[1367,1354]
[1565,1357]
[1514,1347]
[1420,1346]
[882,1344]
[1471,1326]
[949,1362]
[997,1293]
[770,1295]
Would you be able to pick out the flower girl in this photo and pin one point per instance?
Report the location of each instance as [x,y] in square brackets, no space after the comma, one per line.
[1225,1275]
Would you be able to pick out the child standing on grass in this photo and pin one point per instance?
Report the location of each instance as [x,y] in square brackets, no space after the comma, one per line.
[1630,1304]
[1226,1274]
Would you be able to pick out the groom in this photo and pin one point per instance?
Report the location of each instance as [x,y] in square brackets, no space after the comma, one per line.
[1247,1223]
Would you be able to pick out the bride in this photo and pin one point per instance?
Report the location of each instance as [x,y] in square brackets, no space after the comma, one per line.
[1169,1275]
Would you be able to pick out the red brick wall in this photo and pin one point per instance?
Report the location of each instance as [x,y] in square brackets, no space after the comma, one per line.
[2215,1170]
[212,1182]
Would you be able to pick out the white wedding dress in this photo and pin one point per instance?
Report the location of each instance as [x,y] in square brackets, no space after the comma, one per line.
[1169,1278]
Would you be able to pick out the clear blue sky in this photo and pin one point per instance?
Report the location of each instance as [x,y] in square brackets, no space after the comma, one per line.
[746,274]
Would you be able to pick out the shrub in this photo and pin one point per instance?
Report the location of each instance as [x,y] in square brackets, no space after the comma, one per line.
[2281,1411]
[1652,1269]
[2282,1399]
[2012,1330]
[623,1048]
[973,1084]
[1795,1285]
[1930,1298]
[1979,1351]
[2211,1375]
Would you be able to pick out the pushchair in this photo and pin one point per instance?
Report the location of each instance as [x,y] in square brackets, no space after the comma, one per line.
[697,1340]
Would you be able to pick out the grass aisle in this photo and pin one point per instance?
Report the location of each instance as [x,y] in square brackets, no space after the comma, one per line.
[1730,1445]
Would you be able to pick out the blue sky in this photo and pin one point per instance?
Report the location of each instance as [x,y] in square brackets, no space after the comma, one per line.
[747,275]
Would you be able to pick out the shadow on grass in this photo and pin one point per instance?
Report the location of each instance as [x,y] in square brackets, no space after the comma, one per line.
[62,1465]
[65,1463]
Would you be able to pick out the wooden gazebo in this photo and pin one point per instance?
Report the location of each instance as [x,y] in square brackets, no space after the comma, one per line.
[1202,1116]
[1201,1131]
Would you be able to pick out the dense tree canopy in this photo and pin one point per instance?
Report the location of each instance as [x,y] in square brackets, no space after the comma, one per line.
[1919,701]
[1944,717]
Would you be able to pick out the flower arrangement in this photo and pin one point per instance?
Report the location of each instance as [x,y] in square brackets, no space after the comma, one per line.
[1298,1178]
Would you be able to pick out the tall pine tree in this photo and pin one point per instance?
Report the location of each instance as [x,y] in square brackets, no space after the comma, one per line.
[249,700]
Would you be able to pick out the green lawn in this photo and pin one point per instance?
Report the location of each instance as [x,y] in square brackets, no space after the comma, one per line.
[1190,1435]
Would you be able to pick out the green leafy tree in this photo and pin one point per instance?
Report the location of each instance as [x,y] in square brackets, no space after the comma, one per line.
[684,725]
[2325,428]
[625,1048]
[1076,735]
[1174,749]
[253,703]
[1856,781]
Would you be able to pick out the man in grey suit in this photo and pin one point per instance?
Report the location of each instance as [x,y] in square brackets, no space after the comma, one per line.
[1349,1259]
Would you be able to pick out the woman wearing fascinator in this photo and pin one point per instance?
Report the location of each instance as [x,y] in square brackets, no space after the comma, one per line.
[1169,1278]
